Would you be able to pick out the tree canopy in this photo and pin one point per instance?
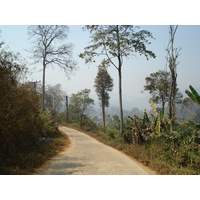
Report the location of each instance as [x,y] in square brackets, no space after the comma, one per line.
[116,42]
[103,85]
[158,85]
[80,102]
[47,50]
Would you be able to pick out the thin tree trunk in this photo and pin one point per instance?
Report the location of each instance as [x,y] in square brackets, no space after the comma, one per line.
[173,54]
[163,107]
[67,110]
[163,104]
[120,102]
[172,108]
[81,119]
[120,83]
[103,117]
[43,88]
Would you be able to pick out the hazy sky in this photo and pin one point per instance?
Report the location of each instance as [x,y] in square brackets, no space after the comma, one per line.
[135,69]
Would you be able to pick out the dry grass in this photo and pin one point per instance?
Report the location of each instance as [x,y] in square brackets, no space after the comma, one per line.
[38,156]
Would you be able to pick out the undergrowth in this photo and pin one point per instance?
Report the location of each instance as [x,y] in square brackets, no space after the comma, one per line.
[31,159]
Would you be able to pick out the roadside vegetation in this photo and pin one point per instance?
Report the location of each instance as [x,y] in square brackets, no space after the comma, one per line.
[148,140]
[28,135]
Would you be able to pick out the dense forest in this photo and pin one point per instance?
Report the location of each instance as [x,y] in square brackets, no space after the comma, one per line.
[165,138]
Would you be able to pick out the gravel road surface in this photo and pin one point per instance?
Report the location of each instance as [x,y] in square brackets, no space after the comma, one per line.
[87,156]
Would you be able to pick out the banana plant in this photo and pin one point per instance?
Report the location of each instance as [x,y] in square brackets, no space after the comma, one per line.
[155,118]
[159,120]
[193,94]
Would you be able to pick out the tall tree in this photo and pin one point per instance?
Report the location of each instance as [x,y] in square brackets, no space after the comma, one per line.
[80,103]
[103,85]
[46,49]
[116,42]
[158,85]
[172,57]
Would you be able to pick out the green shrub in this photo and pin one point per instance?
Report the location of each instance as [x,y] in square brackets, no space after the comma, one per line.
[112,133]
[49,126]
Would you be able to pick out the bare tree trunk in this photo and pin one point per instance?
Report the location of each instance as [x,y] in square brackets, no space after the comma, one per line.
[103,117]
[120,102]
[163,108]
[172,56]
[120,84]
[81,119]
[67,110]
[43,87]
[172,111]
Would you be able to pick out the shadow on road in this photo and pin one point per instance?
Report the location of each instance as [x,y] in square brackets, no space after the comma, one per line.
[62,166]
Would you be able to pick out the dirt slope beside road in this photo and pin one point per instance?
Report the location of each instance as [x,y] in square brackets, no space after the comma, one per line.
[87,156]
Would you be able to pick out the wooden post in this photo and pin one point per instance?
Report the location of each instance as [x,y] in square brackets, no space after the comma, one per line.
[67,113]
[35,86]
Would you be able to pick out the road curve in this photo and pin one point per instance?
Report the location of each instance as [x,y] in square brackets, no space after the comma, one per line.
[87,156]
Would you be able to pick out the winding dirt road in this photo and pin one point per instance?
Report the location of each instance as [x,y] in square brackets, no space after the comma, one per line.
[87,156]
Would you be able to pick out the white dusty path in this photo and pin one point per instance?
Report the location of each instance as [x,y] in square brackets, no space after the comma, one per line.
[87,156]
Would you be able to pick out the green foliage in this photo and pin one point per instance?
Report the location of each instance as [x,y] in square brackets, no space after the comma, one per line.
[158,85]
[128,126]
[113,134]
[194,127]
[193,94]
[103,85]
[61,118]
[145,117]
[179,150]
[113,122]
[110,38]
[79,104]
[49,126]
